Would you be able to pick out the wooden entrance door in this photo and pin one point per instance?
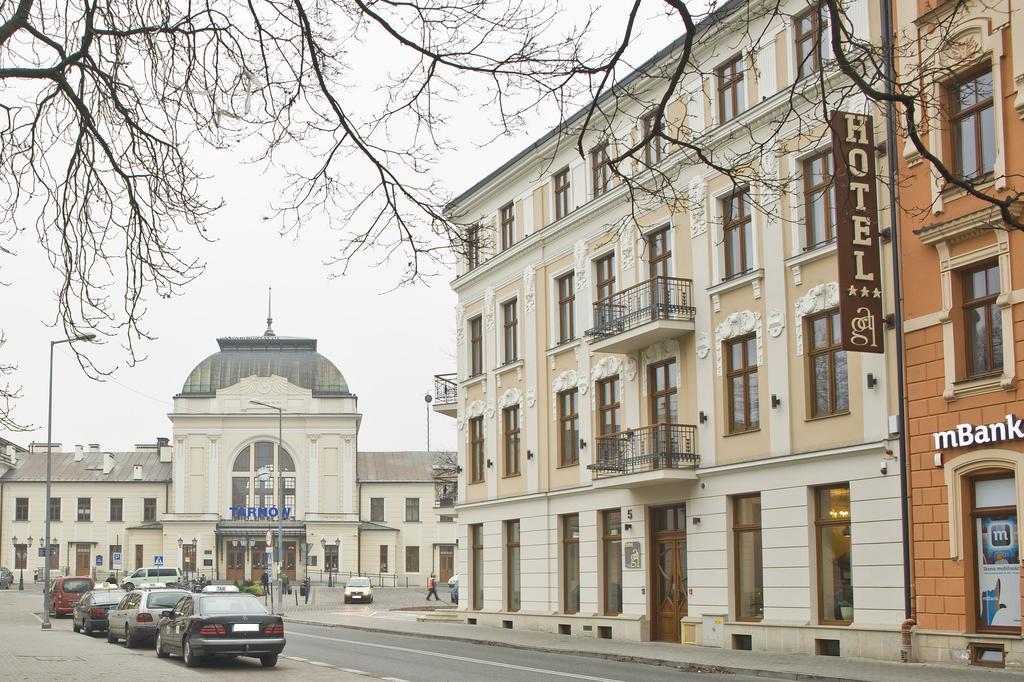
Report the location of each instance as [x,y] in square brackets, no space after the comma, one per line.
[446,562]
[236,562]
[291,550]
[83,556]
[259,562]
[668,572]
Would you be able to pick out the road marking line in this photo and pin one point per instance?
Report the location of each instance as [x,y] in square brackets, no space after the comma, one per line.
[394,679]
[452,657]
[297,658]
[37,617]
[353,671]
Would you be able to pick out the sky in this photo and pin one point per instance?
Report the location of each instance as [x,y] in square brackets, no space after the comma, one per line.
[388,342]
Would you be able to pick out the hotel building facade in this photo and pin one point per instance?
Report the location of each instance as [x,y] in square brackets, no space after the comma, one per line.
[659,436]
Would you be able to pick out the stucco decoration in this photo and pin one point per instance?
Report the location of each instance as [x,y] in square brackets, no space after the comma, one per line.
[489,410]
[818,298]
[626,247]
[771,188]
[696,196]
[658,351]
[607,366]
[629,369]
[510,398]
[961,49]
[776,322]
[460,423]
[564,381]
[460,325]
[579,259]
[489,308]
[531,397]
[738,324]
[475,409]
[529,290]
[703,346]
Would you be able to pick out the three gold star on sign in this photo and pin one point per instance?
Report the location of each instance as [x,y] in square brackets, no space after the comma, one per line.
[864,292]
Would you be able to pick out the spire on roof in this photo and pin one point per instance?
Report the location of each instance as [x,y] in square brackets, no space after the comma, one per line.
[270,317]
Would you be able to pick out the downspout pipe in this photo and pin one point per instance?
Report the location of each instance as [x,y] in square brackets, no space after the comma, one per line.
[888,58]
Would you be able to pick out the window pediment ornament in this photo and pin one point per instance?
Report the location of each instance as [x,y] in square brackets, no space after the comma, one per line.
[606,367]
[475,409]
[818,298]
[961,49]
[568,380]
[510,398]
[736,324]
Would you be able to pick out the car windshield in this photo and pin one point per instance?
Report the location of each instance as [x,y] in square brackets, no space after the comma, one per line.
[166,600]
[107,597]
[77,585]
[228,604]
[163,572]
[358,582]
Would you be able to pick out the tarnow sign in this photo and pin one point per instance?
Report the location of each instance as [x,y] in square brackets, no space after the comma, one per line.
[857,238]
[965,435]
[259,513]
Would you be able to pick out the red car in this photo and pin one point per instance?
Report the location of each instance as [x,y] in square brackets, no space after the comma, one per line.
[65,592]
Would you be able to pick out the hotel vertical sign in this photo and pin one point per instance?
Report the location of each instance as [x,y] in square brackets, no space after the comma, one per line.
[860,272]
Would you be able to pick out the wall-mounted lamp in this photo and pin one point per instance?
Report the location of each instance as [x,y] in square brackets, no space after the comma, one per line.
[695,520]
[776,402]
[458,469]
[14,540]
[872,381]
[29,541]
[490,463]
[180,542]
[529,454]
[42,543]
[194,542]
[702,417]
[583,444]
[337,542]
[323,542]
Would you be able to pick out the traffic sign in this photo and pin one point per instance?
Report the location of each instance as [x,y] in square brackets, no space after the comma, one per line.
[99,559]
[270,539]
[158,560]
[115,560]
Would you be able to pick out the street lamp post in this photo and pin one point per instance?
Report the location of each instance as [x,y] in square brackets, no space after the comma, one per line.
[49,474]
[280,501]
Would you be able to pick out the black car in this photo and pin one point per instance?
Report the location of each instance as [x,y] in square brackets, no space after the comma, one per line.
[220,623]
[90,614]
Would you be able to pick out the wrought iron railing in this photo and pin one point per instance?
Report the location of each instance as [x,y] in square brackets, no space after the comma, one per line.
[446,390]
[659,298]
[660,446]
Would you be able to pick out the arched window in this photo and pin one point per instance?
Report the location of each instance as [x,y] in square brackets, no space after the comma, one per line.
[254,476]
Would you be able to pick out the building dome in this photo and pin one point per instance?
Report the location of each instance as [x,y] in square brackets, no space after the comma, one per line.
[293,358]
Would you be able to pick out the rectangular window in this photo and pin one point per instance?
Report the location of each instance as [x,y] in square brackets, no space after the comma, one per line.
[507,219]
[472,246]
[604,270]
[510,423]
[566,308]
[809,32]
[85,509]
[972,124]
[746,527]
[608,421]
[476,563]
[149,509]
[612,545]
[571,563]
[568,429]
[737,234]
[732,100]
[383,558]
[21,509]
[20,557]
[289,491]
[741,384]
[826,359]
[412,559]
[476,450]
[654,148]
[412,509]
[659,250]
[377,509]
[476,346]
[510,330]
[835,573]
[560,184]
[330,557]
[116,509]
[601,172]
[983,321]
[140,558]
[512,579]
[993,528]
[664,396]
[819,199]
[55,509]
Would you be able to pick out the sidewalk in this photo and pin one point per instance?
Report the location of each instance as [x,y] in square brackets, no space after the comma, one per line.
[687,658]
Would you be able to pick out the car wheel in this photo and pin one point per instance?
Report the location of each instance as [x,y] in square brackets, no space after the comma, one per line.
[129,641]
[128,587]
[191,660]
[370,600]
[160,653]
[347,600]
[86,629]
[268,660]
[111,637]
[74,625]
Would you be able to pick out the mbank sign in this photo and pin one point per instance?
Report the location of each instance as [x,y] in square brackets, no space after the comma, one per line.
[969,434]
[259,513]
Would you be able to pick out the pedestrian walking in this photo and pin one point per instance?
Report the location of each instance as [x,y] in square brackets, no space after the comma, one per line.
[432,587]
[265,582]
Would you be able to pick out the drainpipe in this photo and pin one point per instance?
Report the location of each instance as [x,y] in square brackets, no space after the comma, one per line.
[888,33]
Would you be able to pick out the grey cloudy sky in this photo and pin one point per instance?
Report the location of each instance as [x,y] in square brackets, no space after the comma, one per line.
[387,342]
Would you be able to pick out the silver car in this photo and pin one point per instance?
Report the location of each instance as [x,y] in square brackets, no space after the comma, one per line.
[135,618]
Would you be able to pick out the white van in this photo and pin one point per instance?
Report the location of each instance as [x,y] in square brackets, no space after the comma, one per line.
[151,574]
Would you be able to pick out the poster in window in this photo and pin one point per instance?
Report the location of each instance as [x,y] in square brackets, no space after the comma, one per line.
[998,571]
[631,555]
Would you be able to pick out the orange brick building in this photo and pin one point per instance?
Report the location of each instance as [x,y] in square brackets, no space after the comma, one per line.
[963,289]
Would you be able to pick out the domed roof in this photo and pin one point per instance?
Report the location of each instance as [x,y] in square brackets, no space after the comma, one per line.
[293,358]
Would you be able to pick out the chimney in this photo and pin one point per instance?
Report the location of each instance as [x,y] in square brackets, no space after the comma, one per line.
[41,447]
[164,444]
[78,453]
[94,447]
[12,456]
[137,473]
[108,462]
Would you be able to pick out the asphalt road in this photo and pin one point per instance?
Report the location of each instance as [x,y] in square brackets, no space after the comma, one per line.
[419,659]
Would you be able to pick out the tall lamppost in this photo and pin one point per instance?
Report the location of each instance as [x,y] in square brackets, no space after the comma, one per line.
[49,474]
[280,501]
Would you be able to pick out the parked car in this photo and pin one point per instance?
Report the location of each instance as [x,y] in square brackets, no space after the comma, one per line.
[6,578]
[90,614]
[358,589]
[65,592]
[135,618]
[220,623]
[151,574]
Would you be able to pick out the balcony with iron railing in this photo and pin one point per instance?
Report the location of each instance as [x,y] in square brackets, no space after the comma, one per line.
[446,394]
[646,455]
[643,314]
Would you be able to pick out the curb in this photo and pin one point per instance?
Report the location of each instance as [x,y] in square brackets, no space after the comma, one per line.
[619,658]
